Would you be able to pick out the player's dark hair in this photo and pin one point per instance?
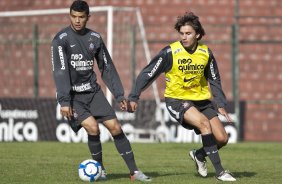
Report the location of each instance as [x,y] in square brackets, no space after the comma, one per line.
[80,6]
[189,18]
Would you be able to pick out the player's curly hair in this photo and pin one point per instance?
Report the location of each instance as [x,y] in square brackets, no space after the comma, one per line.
[189,18]
[80,6]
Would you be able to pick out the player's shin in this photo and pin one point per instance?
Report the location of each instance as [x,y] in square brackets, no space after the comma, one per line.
[211,150]
[95,148]
[124,148]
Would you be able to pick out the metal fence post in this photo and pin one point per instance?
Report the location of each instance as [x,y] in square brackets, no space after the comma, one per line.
[35,60]
[133,52]
[236,68]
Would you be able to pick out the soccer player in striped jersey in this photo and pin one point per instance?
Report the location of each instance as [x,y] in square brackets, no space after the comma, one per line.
[193,93]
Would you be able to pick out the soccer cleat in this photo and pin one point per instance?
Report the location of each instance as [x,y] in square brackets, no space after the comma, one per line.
[140,176]
[201,166]
[103,175]
[225,176]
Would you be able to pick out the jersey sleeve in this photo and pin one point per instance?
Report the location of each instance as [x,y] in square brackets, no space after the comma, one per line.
[159,64]
[213,76]
[61,73]
[109,73]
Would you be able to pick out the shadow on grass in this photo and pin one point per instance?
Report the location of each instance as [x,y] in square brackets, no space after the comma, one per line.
[151,174]
[235,174]
[244,174]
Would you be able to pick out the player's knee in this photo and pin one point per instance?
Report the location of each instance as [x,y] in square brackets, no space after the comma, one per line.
[91,128]
[204,126]
[115,130]
[93,131]
[222,140]
[113,126]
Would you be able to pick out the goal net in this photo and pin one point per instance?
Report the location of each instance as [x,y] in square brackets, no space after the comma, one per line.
[25,55]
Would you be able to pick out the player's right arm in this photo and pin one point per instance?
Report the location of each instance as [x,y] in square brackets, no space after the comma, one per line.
[61,72]
[159,64]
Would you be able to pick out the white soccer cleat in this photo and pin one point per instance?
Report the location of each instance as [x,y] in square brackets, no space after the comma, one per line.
[140,176]
[103,175]
[226,176]
[201,166]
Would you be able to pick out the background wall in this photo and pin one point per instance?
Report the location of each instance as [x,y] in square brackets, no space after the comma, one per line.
[260,38]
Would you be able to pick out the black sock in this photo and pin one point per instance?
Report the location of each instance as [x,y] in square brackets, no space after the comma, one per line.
[211,150]
[201,154]
[95,148]
[124,148]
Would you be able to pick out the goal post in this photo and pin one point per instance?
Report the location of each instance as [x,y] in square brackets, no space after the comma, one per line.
[117,26]
[110,27]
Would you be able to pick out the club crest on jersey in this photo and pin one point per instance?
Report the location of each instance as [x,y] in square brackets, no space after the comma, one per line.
[185,104]
[91,46]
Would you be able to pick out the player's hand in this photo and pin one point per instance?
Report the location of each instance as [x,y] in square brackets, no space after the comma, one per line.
[66,111]
[132,106]
[123,105]
[223,112]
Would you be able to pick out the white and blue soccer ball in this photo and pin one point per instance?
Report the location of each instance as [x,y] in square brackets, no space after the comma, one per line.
[89,170]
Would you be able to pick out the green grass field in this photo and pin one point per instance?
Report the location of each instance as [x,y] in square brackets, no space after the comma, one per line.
[53,162]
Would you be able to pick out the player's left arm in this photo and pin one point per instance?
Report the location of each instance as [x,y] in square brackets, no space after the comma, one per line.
[109,73]
[213,76]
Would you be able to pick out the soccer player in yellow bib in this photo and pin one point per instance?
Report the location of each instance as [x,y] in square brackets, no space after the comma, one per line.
[193,93]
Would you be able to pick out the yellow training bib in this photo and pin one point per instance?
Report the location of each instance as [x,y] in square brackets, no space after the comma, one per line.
[186,79]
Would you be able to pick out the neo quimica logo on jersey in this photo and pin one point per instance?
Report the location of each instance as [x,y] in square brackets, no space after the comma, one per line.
[186,66]
[79,63]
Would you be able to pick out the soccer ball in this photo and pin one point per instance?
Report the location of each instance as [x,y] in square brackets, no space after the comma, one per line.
[89,170]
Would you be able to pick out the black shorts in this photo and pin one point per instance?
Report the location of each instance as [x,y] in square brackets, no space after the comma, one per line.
[177,108]
[85,105]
